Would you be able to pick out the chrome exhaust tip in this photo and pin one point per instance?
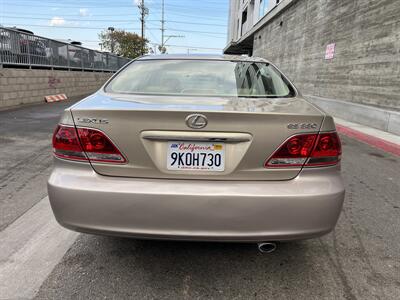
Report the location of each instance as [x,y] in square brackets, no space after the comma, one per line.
[266,247]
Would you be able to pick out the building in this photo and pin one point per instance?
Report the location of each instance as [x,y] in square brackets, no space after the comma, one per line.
[244,14]
[343,55]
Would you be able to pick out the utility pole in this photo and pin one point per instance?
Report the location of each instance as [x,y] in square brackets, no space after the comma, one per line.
[144,11]
[162,24]
[111,30]
[165,38]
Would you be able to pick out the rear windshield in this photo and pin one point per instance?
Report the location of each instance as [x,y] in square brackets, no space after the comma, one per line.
[201,78]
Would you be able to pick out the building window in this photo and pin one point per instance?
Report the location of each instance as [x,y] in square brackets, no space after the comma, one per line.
[244,16]
[244,25]
[263,8]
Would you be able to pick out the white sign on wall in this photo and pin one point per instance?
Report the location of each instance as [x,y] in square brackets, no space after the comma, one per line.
[330,51]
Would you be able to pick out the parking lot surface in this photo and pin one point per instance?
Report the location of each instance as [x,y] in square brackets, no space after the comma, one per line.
[359,260]
[25,156]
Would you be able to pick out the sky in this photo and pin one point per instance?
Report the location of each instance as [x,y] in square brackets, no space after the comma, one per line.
[201,24]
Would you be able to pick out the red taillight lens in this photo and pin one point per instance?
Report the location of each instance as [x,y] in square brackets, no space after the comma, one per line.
[307,150]
[98,146]
[294,152]
[66,143]
[92,144]
[327,151]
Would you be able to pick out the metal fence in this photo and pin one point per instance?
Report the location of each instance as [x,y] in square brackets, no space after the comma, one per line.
[20,48]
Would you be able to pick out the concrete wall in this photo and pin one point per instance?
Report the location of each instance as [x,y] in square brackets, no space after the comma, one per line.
[371,116]
[21,86]
[366,65]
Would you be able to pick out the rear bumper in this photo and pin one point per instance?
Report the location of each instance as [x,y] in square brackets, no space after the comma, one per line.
[305,207]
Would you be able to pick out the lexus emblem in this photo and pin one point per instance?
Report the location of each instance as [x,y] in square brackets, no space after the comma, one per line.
[196,121]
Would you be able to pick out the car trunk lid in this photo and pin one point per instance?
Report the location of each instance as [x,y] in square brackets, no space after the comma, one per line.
[144,129]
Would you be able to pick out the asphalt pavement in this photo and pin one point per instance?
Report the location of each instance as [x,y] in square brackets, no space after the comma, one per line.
[359,260]
[25,156]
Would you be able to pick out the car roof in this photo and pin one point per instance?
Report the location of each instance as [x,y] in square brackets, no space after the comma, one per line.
[203,57]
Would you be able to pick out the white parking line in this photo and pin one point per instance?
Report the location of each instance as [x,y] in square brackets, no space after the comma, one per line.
[29,250]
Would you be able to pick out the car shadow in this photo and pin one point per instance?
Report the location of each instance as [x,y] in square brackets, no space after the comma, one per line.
[121,268]
[196,269]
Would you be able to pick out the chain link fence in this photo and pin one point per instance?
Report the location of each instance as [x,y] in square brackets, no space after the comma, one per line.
[20,48]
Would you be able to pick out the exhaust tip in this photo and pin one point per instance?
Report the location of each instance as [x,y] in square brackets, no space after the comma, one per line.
[266,247]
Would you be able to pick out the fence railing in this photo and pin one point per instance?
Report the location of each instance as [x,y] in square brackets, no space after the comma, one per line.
[20,48]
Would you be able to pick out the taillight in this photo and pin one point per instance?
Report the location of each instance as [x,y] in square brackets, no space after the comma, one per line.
[85,144]
[322,149]
[327,151]
[66,143]
[98,146]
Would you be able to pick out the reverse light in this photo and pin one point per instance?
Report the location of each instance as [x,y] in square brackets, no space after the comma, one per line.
[85,144]
[322,149]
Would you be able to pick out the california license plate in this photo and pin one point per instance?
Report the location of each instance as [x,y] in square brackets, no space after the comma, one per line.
[196,156]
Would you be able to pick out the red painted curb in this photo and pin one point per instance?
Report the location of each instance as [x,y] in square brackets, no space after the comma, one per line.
[369,139]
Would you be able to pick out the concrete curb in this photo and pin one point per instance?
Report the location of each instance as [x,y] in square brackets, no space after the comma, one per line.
[370,140]
[381,119]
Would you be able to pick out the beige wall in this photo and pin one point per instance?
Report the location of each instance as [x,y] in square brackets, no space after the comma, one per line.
[21,86]
[366,65]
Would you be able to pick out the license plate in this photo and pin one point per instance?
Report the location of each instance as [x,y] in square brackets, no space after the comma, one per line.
[196,156]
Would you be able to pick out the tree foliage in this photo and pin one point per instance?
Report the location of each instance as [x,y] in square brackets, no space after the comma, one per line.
[123,43]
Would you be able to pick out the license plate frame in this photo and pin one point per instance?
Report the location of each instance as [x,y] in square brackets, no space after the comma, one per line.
[196,156]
